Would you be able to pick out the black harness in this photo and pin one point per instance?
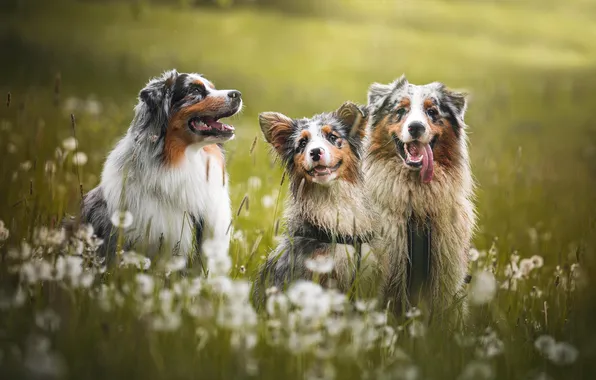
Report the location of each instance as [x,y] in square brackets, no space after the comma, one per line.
[419,256]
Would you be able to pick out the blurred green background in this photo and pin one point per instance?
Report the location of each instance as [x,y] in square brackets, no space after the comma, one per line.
[530,67]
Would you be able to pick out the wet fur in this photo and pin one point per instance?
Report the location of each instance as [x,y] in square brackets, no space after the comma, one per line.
[446,202]
[339,209]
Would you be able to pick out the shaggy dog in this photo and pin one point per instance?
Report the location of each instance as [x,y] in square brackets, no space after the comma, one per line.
[168,171]
[327,216]
[421,185]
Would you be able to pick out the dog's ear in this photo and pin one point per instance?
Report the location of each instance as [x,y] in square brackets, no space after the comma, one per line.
[377,92]
[156,90]
[354,117]
[276,128]
[458,102]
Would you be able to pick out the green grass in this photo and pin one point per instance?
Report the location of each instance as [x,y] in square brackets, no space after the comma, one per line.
[529,68]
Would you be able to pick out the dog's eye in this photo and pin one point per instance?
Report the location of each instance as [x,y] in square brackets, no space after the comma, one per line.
[332,138]
[432,112]
[302,144]
[401,111]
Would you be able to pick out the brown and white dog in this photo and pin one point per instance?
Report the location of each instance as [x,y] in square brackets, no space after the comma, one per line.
[327,213]
[420,183]
[168,171]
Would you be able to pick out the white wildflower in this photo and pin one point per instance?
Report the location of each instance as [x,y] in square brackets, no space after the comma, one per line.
[254,183]
[122,219]
[169,321]
[277,304]
[93,107]
[320,264]
[302,292]
[537,261]
[474,254]
[220,284]
[71,104]
[133,259]
[365,306]
[563,353]
[416,329]
[79,159]
[41,361]
[26,166]
[477,370]
[175,264]
[4,232]
[69,144]
[526,266]
[213,248]
[50,167]
[238,235]
[268,201]
[482,288]
[413,313]
[544,344]
[219,265]
[20,254]
[47,320]
[11,148]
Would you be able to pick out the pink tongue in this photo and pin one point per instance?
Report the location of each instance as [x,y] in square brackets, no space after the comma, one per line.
[426,173]
[220,126]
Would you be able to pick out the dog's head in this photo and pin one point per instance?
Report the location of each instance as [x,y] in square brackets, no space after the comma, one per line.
[186,109]
[322,149]
[422,125]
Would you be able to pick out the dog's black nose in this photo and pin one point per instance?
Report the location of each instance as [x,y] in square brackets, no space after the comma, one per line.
[235,94]
[316,154]
[416,129]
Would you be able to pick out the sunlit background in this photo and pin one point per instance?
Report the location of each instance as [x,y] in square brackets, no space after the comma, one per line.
[530,67]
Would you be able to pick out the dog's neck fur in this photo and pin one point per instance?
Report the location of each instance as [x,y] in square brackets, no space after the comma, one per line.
[339,209]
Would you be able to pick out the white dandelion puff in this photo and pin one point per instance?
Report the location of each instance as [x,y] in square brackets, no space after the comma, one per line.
[320,264]
[133,259]
[526,266]
[47,320]
[544,344]
[474,255]
[254,183]
[477,370]
[416,329]
[79,159]
[69,144]
[26,166]
[268,201]
[413,313]
[537,261]
[482,288]
[175,264]
[122,219]
[50,167]
[563,353]
[11,148]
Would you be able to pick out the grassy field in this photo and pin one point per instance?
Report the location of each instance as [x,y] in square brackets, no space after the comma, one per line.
[531,69]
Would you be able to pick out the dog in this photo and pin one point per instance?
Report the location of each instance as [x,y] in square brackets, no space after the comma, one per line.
[327,215]
[168,171]
[422,190]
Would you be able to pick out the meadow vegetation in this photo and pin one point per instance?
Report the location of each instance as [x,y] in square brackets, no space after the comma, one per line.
[71,71]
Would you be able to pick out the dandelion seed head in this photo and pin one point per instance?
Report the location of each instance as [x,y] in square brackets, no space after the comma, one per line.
[563,353]
[50,167]
[474,255]
[254,183]
[122,219]
[47,320]
[526,266]
[69,144]
[268,201]
[79,159]
[416,329]
[11,148]
[544,344]
[537,261]
[320,264]
[26,166]
[413,313]
[477,370]
[483,288]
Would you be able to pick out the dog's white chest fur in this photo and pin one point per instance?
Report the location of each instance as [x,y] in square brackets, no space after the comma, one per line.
[166,202]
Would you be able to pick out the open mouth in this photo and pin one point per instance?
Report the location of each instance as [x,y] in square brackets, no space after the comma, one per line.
[210,126]
[322,170]
[417,156]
